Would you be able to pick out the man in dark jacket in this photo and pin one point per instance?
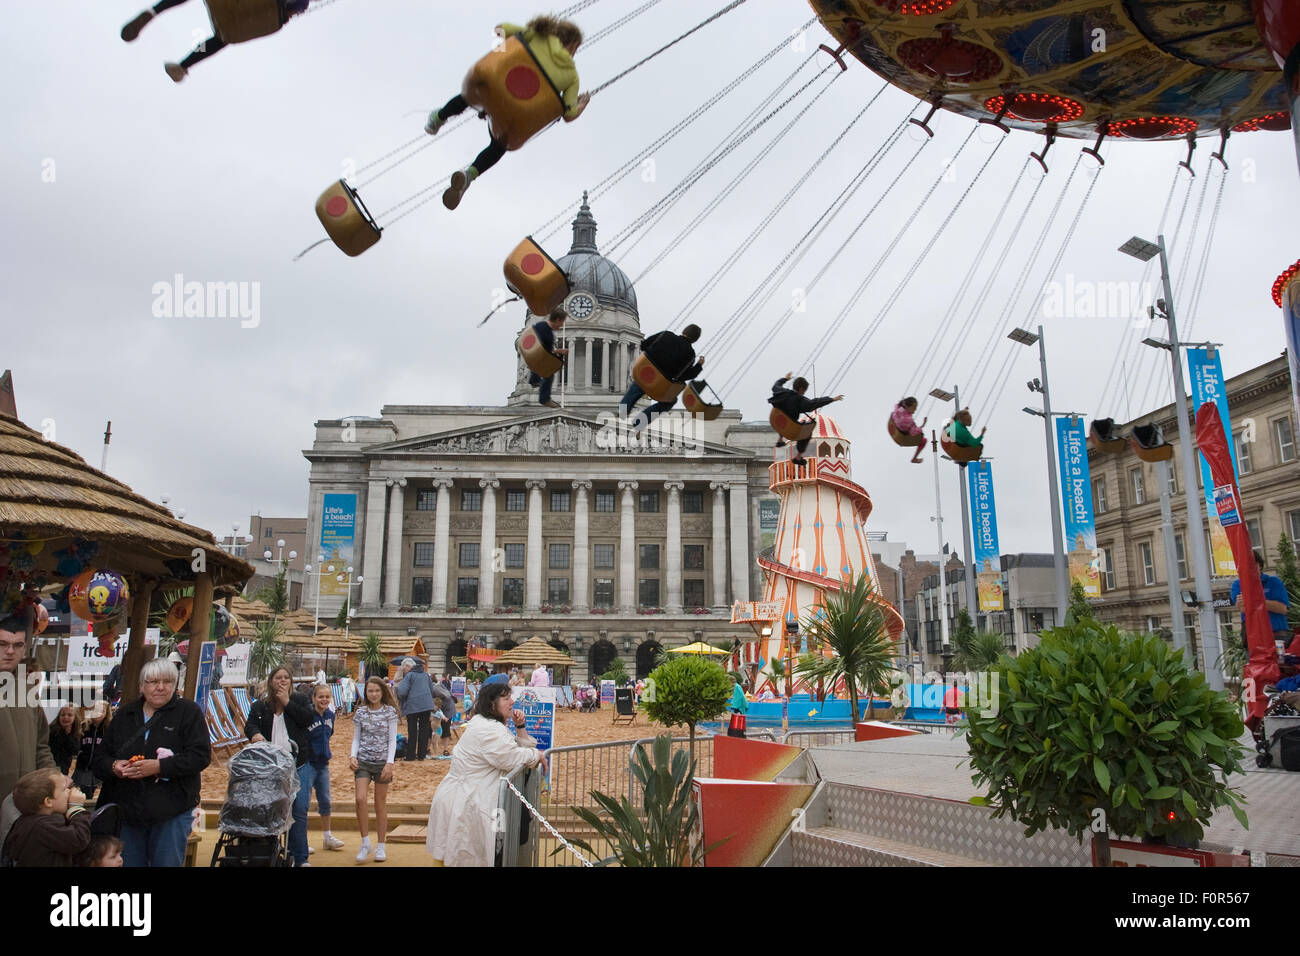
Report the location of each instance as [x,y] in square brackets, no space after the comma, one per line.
[793,402]
[415,693]
[674,356]
[24,731]
[546,330]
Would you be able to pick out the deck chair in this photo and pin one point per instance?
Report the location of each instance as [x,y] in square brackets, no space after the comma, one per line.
[624,705]
[336,691]
[242,704]
[220,736]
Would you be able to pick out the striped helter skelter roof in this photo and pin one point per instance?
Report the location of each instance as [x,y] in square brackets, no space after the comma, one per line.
[826,428]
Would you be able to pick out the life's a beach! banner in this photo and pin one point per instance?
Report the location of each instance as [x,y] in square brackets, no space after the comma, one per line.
[338,535]
[984,521]
[1076,498]
[1208,386]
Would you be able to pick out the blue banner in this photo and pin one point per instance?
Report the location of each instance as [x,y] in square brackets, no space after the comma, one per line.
[338,535]
[538,707]
[1291,325]
[1076,497]
[207,670]
[984,522]
[1208,386]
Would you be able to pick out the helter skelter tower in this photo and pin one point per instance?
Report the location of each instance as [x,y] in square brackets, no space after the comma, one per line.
[821,539]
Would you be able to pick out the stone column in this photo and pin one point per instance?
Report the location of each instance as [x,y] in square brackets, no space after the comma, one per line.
[487,544]
[627,596]
[393,567]
[591,348]
[740,541]
[533,574]
[719,489]
[673,567]
[372,560]
[441,542]
[581,547]
[606,374]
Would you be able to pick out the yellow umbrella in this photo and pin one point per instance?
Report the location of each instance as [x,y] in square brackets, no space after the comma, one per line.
[699,647]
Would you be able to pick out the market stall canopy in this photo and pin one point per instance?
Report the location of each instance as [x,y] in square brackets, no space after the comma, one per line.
[699,647]
[535,651]
[72,516]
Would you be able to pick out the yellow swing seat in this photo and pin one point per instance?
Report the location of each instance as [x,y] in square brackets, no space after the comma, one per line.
[533,276]
[654,382]
[510,86]
[962,454]
[788,428]
[693,400]
[237,21]
[1102,436]
[535,356]
[1148,443]
[346,219]
[904,439]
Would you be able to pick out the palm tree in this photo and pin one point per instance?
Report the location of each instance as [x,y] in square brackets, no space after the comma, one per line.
[777,667]
[267,653]
[853,628]
[372,655]
[976,650]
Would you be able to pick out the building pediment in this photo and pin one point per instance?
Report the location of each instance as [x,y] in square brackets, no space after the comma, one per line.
[564,433]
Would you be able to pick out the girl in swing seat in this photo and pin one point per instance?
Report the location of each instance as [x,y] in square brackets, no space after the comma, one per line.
[905,423]
[959,430]
[553,42]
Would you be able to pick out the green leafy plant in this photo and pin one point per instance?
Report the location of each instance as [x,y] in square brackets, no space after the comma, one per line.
[476,677]
[1102,731]
[1078,609]
[372,655]
[977,651]
[688,689]
[852,627]
[267,653]
[276,594]
[777,667]
[1288,569]
[617,672]
[660,835]
[341,618]
[964,628]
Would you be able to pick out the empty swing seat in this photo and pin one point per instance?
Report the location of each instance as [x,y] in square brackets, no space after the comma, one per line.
[693,400]
[237,21]
[533,276]
[788,428]
[1148,443]
[536,357]
[510,86]
[1103,437]
[346,219]
[904,439]
[962,454]
[654,382]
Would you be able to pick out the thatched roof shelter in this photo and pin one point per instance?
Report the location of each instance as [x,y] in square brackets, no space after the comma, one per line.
[535,651]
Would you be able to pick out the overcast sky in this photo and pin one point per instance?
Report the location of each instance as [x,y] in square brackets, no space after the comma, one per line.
[115,180]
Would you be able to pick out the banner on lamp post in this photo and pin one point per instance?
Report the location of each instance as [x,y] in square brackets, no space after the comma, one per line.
[338,533]
[1207,386]
[1076,497]
[984,521]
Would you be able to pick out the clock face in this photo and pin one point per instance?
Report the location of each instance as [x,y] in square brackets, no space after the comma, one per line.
[580,305]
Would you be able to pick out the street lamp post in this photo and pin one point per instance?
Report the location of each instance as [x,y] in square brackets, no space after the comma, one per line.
[1142,249]
[946,653]
[349,584]
[279,560]
[968,562]
[318,574]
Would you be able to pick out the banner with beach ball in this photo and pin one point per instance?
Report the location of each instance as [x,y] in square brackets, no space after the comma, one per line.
[1208,386]
[1076,497]
[984,522]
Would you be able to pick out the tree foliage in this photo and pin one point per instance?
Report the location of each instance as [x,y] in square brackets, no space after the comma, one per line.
[372,655]
[1078,609]
[977,651]
[688,689]
[617,672]
[276,594]
[1288,569]
[1103,731]
[267,653]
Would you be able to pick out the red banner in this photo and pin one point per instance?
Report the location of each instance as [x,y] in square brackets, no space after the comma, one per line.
[1261,667]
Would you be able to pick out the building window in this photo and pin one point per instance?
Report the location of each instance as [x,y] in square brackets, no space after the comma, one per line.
[693,557]
[557,591]
[603,556]
[649,501]
[266,533]
[421,590]
[1256,534]
[693,502]
[1181,551]
[1173,479]
[1099,502]
[559,501]
[1189,623]
[1244,465]
[468,555]
[1284,435]
[466,592]
[649,557]
[1147,562]
[514,555]
[648,592]
[471,500]
[1293,524]
[605,502]
[1035,621]
[423,555]
[1139,488]
[693,592]
[559,556]
[426,500]
[603,592]
[1108,569]
[597,360]
[1153,624]
[512,592]
[516,500]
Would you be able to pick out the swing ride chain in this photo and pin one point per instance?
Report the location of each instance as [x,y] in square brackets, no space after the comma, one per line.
[547,823]
[621,21]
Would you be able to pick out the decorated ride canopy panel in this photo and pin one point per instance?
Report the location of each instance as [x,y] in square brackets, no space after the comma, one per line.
[1145,69]
[758,612]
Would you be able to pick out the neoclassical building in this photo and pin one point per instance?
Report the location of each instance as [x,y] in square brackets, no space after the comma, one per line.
[501,522]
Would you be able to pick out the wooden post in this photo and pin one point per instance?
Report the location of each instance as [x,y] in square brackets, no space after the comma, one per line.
[200,621]
[141,597]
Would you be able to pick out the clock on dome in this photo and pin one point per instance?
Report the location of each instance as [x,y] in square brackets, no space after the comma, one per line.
[580,305]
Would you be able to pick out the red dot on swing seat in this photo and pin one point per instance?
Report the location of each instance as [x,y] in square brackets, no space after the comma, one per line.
[646,374]
[532,264]
[523,83]
[337,206]
[529,341]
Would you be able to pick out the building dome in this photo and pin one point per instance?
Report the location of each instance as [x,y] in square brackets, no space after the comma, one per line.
[589,271]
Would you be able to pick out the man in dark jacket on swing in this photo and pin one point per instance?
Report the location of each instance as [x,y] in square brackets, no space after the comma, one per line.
[793,403]
[674,356]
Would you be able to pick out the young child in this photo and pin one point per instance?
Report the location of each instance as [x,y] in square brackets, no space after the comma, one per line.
[102,851]
[54,826]
[321,730]
[374,747]
[903,421]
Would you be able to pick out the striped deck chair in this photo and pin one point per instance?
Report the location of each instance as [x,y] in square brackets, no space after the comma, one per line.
[220,735]
[563,696]
[336,691]
[221,705]
[242,703]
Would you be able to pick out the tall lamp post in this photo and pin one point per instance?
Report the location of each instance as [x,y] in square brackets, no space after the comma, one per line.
[1144,250]
[348,583]
[946,653]
[968,561]
[318,573]
[279,560]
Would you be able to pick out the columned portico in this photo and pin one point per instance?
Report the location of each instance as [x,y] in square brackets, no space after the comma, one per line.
[581,548]
[533,562]
[719,489]
[393,564]
[673,545]
[627,547]
[373,558]
[487,544]
[441,542]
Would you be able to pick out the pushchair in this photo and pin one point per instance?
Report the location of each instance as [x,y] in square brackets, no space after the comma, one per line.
[258,811]
[589,699]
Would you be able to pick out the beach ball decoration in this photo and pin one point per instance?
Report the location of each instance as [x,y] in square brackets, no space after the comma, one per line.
[79,594]
[178,615]
[106,593]
[42,619]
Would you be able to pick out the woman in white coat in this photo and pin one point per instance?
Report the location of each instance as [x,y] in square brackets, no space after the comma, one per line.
[461,817]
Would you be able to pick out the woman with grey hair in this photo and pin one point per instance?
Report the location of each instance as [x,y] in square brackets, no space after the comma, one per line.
[151,761]
[414,690]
